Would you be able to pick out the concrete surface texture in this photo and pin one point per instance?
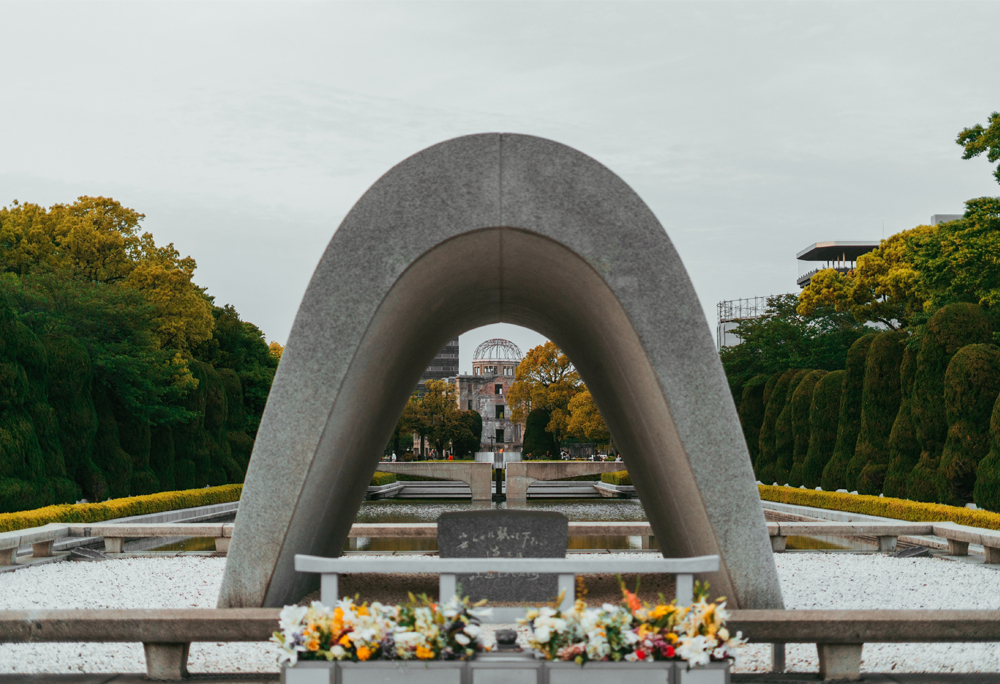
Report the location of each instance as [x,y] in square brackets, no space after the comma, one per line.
[479,476]
[485,229]
[520,475]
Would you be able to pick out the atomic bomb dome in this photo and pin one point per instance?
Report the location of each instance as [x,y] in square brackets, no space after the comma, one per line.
[497,350]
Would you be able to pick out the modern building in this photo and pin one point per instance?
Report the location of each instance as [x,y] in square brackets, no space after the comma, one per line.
[839,255]
[944,218]
[493,365]
[443,366]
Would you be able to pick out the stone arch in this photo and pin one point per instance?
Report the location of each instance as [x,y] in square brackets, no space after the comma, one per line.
[484,229]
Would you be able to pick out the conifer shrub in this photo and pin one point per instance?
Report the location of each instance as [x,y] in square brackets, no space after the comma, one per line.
[784,436]
[240,443]
[987,490]
[162,457]
[879,406]
[904,449]
[109,456]
[751,413]
[767,460]
[971,387]
[824,416]
[849,423]
[801,429]
[950,329]
[537,441]
[768,391]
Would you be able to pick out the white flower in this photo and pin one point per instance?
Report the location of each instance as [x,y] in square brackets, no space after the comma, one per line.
[290,617]
[320,610]
[695,650]
[338,652]
[462,639]
[543,634]
[473,630]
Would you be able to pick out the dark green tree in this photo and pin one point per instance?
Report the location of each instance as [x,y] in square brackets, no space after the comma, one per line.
[801,406]
[971,386]
[468,444]
[824,416]
[904,449]
[784,436]
[751,413]
[776,398]
[879,406]
[538,442]
[849,424]
[977,140]
[950,329]
[782,339]
[987,489]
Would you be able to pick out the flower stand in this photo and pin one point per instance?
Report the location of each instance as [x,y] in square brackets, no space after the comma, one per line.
[713,673]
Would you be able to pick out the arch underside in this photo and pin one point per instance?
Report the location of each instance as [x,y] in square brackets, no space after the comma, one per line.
[482,230]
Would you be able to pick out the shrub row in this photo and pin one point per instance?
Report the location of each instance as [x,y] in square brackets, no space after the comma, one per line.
[119,508]
[619,478]
[883,506]
[915,417]
[380,479]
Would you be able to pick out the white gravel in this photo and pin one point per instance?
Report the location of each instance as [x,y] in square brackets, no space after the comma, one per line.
[809,581]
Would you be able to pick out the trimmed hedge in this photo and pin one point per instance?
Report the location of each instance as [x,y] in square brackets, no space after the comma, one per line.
[619,477]
[119,508]
[801,429]
[751,413]
[775,394]
[849,424]
[971,386]
[950,329]
[987,490]
[379,479]
[824,416]
[879,405]
[784,437]
[904,449]
[884,506]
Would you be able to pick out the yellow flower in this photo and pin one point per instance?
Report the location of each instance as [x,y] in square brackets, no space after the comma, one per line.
[424,653]
[338,614]
[345,641]
[662,610]
[313,644]
[364,653]
[644,630]
[363,610]
[671,637]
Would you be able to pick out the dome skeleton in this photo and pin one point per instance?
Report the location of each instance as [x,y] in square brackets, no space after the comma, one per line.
[497,350]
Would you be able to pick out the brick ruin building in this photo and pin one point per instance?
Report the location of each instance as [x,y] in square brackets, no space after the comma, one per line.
[485,391]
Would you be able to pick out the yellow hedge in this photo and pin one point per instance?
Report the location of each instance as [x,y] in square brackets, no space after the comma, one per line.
[883,506]
[119,508]
[619,477]
[379,479]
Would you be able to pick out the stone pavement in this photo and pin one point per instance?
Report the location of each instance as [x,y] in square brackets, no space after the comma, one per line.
[868,678]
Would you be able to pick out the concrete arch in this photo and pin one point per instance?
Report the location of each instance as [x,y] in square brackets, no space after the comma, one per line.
[484,229]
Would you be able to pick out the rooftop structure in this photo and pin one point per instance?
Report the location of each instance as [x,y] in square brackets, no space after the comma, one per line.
[497,350]
[838,255]
[731,312]
[943,218]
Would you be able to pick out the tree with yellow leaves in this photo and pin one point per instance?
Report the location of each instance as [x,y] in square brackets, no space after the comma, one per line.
[545,379]
[585,419]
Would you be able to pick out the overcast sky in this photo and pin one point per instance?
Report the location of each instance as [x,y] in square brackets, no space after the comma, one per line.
[245,132]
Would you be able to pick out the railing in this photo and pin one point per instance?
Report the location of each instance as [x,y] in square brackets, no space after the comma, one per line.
[330,568]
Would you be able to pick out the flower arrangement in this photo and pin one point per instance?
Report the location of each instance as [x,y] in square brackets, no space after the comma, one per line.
[634,631]
[420,629]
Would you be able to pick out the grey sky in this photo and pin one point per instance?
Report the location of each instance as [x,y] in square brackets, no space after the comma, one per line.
[245,132]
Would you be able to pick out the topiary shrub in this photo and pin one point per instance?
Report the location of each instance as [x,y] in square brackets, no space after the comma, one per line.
[849,423]
[751,413]
[619,477]
[879,405]
[381,479]
[824,415]
[784,437]
[538,443]
[950,329]
[987,490]
[69,384]
[801,405]
[240,443]
[109,456]
[971,386]
[162,456]
[904,450]
[775,403]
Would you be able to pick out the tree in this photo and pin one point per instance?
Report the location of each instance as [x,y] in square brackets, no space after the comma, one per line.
[824,416]
[538,442]
[468,442]
[977,140]
[782,338]
[585,419]
[849,424]
[801,407]
[545,379]
[904,449]
[880,398]
[435,417]
[751,413]
[276,350]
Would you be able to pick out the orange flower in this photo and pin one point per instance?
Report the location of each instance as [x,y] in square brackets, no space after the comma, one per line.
[424,653]
[364,653]
[313,644]
[363,610]
[338,614]
[631,600]
[345,641]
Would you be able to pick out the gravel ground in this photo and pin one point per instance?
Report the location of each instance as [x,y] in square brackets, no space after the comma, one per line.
[809,581]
